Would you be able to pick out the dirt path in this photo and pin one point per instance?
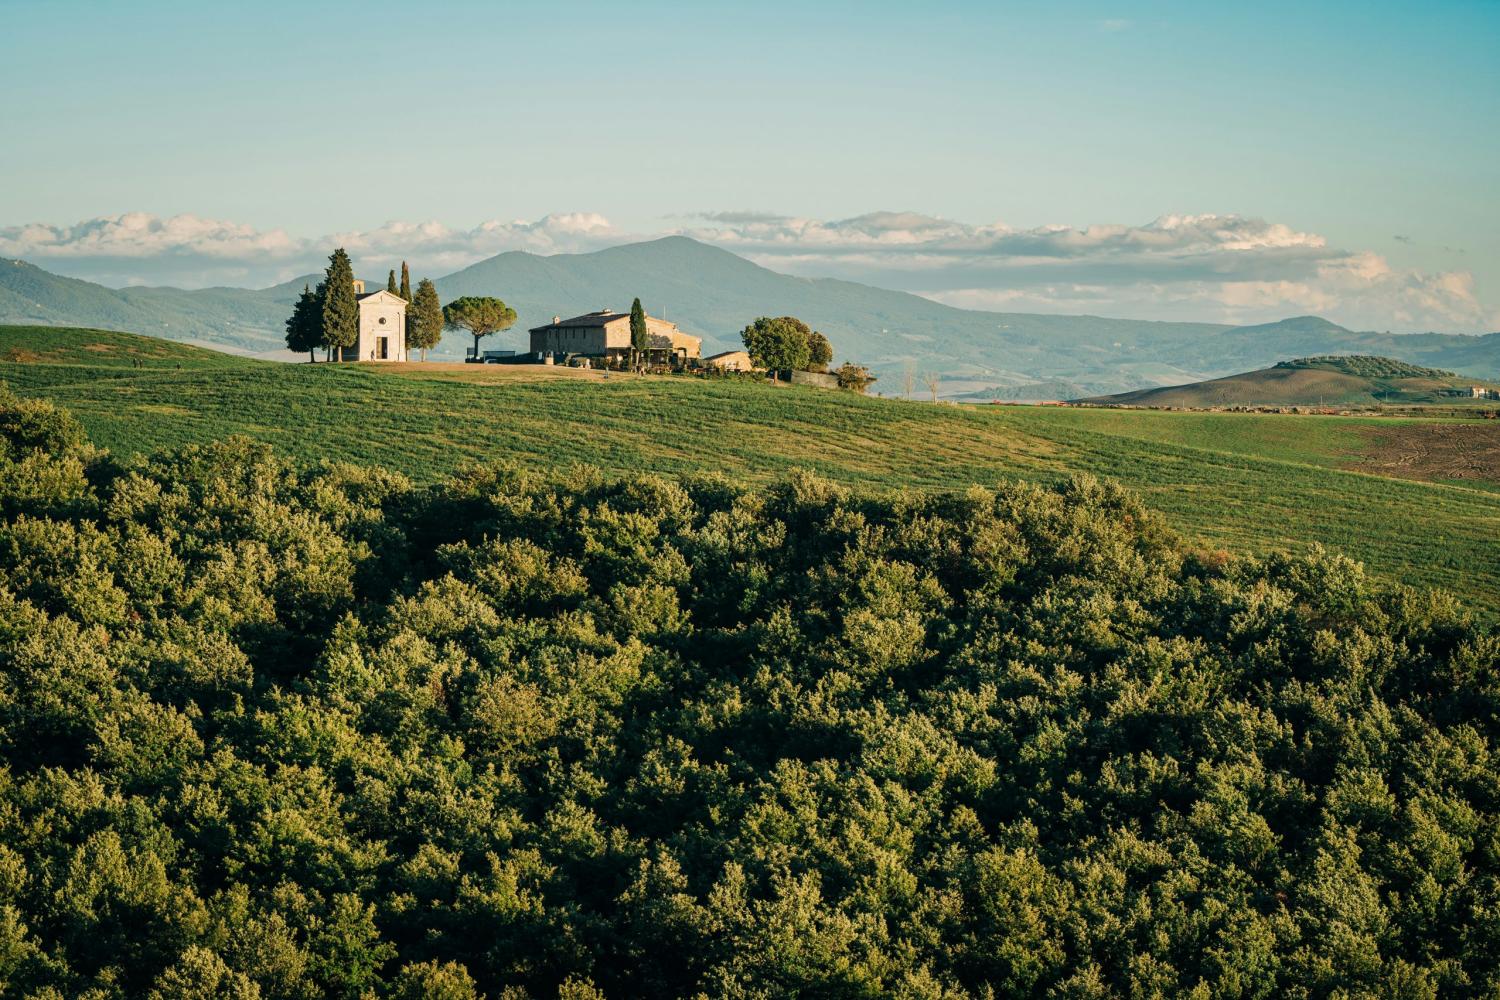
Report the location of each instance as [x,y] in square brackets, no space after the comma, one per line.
[1463,451]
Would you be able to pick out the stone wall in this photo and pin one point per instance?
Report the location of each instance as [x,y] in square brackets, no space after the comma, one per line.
[821,380]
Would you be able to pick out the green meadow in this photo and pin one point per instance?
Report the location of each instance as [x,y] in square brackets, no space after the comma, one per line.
[1246,482]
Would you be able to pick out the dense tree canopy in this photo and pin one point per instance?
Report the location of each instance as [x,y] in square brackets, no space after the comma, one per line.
[786,343]
[270,732]
[478,316]
[304,327]
[819,352]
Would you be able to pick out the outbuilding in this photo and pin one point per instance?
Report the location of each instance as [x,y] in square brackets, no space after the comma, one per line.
[730,361]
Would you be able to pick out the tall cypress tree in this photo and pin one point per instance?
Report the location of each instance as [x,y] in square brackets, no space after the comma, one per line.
[405,291]
[340,305]
[390,281]
[424,321]
[640,337]
[320,292]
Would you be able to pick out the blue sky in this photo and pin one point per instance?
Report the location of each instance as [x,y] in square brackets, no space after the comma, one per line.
[1352,147]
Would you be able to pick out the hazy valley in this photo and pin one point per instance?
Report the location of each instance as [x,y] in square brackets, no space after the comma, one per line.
[714,293]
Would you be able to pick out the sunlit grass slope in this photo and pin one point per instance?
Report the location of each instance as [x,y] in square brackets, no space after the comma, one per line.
[1247,482]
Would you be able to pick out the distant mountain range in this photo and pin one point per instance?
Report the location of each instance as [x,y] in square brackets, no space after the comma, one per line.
[715,293]
[1355,380]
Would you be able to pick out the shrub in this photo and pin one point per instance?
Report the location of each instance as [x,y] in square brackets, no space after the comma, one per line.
[277,732]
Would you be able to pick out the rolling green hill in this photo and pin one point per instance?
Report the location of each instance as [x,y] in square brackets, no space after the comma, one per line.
[1352,380]
[1241,481]
[106,350]
[714,292]
[235,319]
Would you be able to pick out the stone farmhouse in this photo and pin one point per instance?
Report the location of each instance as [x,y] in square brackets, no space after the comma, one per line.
[606,335]
[382,327]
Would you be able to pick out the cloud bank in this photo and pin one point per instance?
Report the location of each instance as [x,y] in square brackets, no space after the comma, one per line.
[189,251]
[1225,268]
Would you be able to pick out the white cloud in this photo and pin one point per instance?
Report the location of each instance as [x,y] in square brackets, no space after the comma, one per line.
[137,234]
[442,249]
[910,230]
[1226,268]
[137,248]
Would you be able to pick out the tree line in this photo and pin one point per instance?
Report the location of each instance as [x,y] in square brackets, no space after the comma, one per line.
[272,732]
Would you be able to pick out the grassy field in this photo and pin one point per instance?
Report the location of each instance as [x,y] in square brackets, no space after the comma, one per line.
[1248,482]
[105,349]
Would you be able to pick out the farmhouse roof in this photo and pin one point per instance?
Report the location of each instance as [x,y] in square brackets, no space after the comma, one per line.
[600,318]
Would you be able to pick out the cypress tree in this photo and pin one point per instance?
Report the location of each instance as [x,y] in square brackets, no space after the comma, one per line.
[405,291]
[390,281]
[640,338]
[424,321]
[319,294]
[340,305]
[304,328]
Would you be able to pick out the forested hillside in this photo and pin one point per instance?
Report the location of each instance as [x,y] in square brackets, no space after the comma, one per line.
[1368,366]
[277,732]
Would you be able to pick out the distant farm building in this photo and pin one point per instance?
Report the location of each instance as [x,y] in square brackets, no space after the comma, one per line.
[606,335]
[730,361]
[382,327]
